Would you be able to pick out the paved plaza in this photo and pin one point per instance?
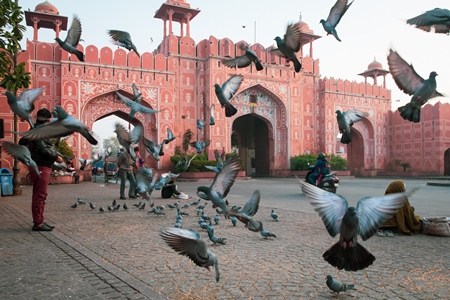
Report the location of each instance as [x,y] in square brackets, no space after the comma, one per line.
[119,255]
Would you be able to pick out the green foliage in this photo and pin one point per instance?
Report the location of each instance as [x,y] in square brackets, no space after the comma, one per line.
[64,149]
[197,164]
[113,143]
[338,163]
[303,162]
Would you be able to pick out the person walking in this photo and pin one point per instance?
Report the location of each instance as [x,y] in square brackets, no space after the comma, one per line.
[94,173]
[125,172]
[44,153]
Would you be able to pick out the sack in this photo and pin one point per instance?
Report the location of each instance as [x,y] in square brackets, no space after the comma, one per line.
[436,226]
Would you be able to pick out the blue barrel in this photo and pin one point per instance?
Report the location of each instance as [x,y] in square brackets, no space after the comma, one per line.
[6,181]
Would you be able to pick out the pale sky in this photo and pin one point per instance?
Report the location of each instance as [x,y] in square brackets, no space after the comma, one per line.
[367,30]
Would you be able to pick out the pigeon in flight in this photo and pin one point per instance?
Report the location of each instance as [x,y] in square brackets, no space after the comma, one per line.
[65,125]
[200,124]
[438,18]
[72,39]
[200,146]
[170,138]
[126,139]
[337,286]
[227,91]
[220,162]
[411,83]
[137,96]
[190,243]
[221,185]
[335,15]
[289,45]
[24,104]
[346,120]
[248,211]
[365,220]
[152,148]
[212,122]
[22,154]
[123,39]
[135,106]
[245,60]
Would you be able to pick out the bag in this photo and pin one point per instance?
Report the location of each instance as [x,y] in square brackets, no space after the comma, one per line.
[326,168]
[436,226]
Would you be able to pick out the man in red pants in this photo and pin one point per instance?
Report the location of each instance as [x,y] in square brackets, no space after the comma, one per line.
[43,152]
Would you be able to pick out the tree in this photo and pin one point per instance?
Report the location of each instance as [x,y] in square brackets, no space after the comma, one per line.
[113,143]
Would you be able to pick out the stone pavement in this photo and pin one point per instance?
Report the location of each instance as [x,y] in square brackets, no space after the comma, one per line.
[119,255]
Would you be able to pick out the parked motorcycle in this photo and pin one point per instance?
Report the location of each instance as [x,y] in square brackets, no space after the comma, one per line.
[328,182]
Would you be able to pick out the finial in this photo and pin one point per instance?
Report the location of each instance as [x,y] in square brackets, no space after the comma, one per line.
[300,18]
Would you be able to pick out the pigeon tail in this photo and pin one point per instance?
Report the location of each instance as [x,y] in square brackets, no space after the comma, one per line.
[334,33]
[230,110]
[79,55]
[346,138]
[258,65]
[410,113]
[351,259]
[297,65]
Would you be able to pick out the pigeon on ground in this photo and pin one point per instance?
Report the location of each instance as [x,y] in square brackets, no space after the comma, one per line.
[345,122]
[267,234]
[337,286]
[125,206]
[203,206]
[135,106]
[335,15]
[411,83]
[212,121]
[126,139]
[200,124]
[227,91]
[115,208]
[203,225]
[274,215]
[142,207]
[190,243]
[245,60]
[196,202]
[186,205]
[210,227]
[137,205]
[233,220]
[109,208]
[289,46]
[178,224]
[74,205]
[205,217]
[215,239]
[160,207]
[365,220]
[123,39]
[438,18]
[114,203]
[221,185]
[199,211]
[22,154]
[65,125]
[72,39]
[101,209]
[182,212]
[24,104]
[216,219]
[171,206]
[92,205]
[200,146]
[156,211]
[80,201]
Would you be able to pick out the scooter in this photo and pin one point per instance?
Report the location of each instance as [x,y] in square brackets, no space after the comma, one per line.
[328,182]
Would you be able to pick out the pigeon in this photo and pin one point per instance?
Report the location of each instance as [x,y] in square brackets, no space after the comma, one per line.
[186,205]
[145,188]
[212,121]
[335,15]
[196,202]
[109,208]
[438,18]
[227,91]
[215,239]
[101,209]
[170,137]
[24,104]
[178,224]
[184,163]
[22,154]
[156,211]
[274,215]
[203,225]
[235,208]
[182,212]
[160,207]
[108,152]
[152,148]
[199,211]
[137,204]
[200,221]
[171,206]
[203,206]
[116,207]
[233,221]
[135,106]
[72,39]
[74,205]
[216,219]
[200,124]
[125,206]
[190,243]
[114,203]
[142,207]
[221,185]
[245,60]
[250,208]
[123,39]
[80,201]
[210,226]
[267,234]
[126,139]
[65,125]
[85,162]
[289,46]
[60,166]
[205,217]
[166,178]
[365,220]
[411,83]
[200,146]
[337,286]
[219,165]
[346,120]
[92,205]
[137,96]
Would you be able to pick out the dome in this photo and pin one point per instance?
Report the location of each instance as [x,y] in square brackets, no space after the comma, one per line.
[46,7]
[303,26]
[374,65]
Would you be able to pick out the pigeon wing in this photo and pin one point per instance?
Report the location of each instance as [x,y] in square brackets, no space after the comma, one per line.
[119,36]
[277,52]
[352,116]
[439,18]
[331,207]
[239,61]
[404,74]
[337,11]
[226,177]
[135,90]
[252,205]
[292,37]
[230,87]
[372,212]
[74,33]
[136,134]
[149,145]
[123,136]
[28,97]
[146,110]
[50,130]
[128,102]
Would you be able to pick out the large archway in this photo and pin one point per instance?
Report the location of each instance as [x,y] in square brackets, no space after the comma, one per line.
[355,154]
[253,143]
[447,162]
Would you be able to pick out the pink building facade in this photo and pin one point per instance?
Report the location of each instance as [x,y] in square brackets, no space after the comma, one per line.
[280,113]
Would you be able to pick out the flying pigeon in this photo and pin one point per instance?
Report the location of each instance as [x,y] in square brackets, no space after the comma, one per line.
[438,18]
[65,125]
[219,160]
[189,243]
[170,137]
[144,187]
[123,39]
[335,15]
[126,139]
[227,91]
[250,208]
[184,163]
[135,106]
[211,115]
[346,120]
[24,104]
[365,220]
[221,185]
[215,239]
[274,215]
[245,60]
[289,45]
[267,234]
[200,124]
[152,148]
[85,162]
[22,154]
[72,39]
[200,146]
[411,83]
[137,96]
[337,286]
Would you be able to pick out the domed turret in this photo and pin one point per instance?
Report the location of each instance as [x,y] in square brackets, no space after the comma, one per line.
[374,65]
[47,8]
[303,26]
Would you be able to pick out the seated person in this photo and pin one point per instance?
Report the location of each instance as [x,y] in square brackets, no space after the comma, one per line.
[404,222]
[70,169]
[170,189]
